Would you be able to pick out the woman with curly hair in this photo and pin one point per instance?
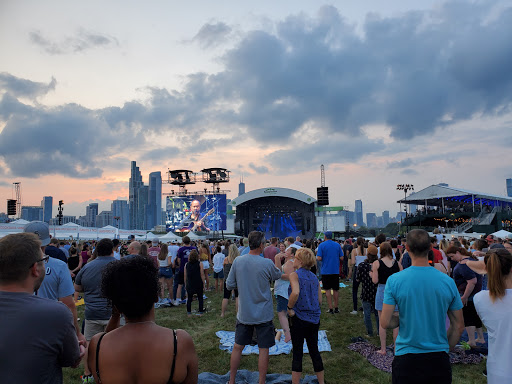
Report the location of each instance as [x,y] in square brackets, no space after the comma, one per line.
[141,351]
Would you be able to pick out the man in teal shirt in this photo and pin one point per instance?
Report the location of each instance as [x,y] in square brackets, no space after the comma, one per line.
[424,297]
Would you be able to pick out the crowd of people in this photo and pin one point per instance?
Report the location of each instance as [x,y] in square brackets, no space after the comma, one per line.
[425,288]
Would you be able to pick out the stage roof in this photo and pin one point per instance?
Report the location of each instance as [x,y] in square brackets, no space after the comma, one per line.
[435,194]
[275,191]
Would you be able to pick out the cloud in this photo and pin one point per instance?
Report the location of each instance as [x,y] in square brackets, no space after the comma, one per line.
[401,163]
[81,41]
[161,153]
[258,169]
[211,35]
[18,87]
[68,140]
[409,172]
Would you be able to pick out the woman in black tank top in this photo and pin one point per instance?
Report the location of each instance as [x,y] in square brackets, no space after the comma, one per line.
[141,351]
[381,270]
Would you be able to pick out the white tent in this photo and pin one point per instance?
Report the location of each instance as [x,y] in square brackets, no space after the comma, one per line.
[502,234]
[169,236]
[20,222]
[193,236]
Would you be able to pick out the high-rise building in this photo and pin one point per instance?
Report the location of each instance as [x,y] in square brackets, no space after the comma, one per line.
[241,187]
[371,220]
[154,215]
[121,210]
[104,218]
[65,220]
[359,213]
[142,207]
[91,211]
[385,218]
[32,213]
[133,190]
[509,187]
[47,203]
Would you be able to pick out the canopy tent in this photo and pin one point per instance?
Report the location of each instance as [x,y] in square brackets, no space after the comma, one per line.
[169,236]
[193,236]
[502,234]
[20,222]
[444,196]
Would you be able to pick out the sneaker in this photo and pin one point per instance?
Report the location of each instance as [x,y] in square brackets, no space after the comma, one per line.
[336,310]
[331,311]
[184,301]
[485,372]
[353,313]
[89,379]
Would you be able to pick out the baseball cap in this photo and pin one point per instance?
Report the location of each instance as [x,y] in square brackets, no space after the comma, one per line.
[490,237]
[328,234]
[156,240]
[496,245]
[41,229]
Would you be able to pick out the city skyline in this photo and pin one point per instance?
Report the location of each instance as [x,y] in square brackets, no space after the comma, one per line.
[380,93]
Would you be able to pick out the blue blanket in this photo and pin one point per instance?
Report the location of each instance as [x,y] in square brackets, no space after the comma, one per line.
[248,377]
[227,340]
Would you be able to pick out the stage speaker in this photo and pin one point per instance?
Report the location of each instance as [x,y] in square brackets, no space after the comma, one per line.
[11,207]
[322,194]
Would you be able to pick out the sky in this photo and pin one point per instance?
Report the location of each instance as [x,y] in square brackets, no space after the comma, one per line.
[380,93]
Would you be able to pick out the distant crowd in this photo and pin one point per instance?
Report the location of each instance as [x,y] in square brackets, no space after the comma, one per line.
[427,289]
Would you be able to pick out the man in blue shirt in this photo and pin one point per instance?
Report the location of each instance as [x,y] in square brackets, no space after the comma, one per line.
[424,297]
[330,254]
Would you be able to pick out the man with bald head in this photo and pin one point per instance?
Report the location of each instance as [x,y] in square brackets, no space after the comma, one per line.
[133,249]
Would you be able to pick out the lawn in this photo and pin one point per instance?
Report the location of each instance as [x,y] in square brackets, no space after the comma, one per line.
[341,365]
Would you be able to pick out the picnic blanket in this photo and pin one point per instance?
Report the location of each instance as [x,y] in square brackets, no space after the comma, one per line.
[369,351]
[227,340]
[248,377]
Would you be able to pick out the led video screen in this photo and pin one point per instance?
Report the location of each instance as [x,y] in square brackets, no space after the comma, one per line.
[196,213]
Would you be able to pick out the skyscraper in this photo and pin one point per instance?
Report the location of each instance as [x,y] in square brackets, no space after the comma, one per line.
[359,212]
[47,203]
[120,209]
[509,187]
[142,207]
[32,213]
[154,216]
[385,218]
[104,218]
[91,211]
[133,190]
[371,220]
[241,187]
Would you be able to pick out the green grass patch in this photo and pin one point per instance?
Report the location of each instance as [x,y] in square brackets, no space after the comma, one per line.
[341,365]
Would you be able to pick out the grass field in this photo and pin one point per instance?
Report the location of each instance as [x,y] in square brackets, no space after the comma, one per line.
[341,365]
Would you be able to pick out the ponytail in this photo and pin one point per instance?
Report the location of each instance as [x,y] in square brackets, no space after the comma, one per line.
[498,263]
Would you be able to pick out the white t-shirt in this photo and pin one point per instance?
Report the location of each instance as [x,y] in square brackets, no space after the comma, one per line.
[173,251]
[497,318]
[218,260]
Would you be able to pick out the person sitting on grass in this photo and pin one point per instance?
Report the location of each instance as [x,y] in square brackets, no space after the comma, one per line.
[304,312]
[218,269]
[140,351]
[194,277]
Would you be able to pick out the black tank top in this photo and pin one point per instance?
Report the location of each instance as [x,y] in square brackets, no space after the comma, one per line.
[385,271]
[194,282]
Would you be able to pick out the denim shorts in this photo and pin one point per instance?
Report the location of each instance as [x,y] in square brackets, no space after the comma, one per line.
[165,272]
[282,303]
[218,275]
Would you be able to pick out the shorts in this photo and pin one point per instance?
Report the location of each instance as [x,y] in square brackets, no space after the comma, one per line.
[181,278]
[264,333]
[379,298]
[92,327]
[331,282]
[422,368]
[218,275]
[227,292]
[282,303]
[165,272]
[206,265]
[471,318]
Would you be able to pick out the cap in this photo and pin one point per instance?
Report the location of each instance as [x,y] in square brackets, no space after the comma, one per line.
[41,229]
[496,245]
[156,240]
[372,250]
[328,234]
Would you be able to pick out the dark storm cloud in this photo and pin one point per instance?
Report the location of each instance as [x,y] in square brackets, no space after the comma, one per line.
[258,169]
[328,150]
[211,35]
[18,87]
[68,140]
[81,41]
